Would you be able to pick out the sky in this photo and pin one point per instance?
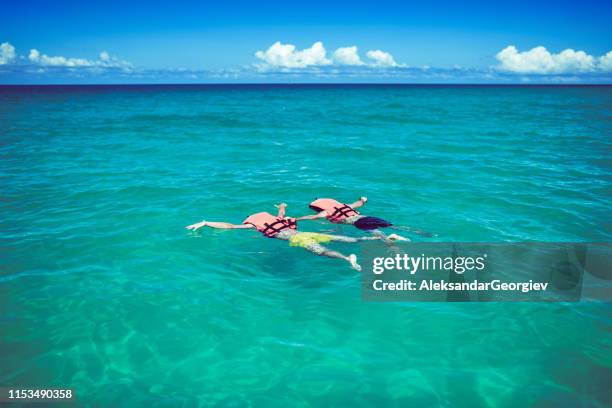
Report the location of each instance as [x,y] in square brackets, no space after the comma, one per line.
[315,41]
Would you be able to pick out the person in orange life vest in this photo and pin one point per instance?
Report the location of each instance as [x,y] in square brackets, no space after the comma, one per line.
[340,213]
[285,228]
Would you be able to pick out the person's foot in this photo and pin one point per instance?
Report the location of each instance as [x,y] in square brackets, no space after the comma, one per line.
[353,260]
[395,237]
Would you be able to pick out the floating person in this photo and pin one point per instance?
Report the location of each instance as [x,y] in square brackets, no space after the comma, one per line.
[285,228]
[340,213]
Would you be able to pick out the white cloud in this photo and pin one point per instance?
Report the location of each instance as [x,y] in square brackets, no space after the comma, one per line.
[539,60]
[605,62]
[105,60]
[347,56]
[7,53]
[36,57]
[381,58]
[286,56]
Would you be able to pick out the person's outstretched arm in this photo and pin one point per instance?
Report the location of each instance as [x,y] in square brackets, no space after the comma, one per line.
[359,203]
[219,225]
[281,210]
[322,214]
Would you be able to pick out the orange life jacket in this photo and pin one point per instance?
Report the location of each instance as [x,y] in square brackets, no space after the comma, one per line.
[336,211]
[270,225]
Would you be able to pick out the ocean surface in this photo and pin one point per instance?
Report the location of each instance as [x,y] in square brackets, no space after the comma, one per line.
[103,290]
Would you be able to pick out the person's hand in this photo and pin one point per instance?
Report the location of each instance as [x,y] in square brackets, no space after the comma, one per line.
[363,199]
[281,205]
[196,226]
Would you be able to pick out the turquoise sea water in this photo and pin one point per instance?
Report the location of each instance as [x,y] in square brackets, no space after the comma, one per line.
[104,291]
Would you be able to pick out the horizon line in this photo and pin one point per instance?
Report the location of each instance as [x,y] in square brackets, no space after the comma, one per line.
[313,84]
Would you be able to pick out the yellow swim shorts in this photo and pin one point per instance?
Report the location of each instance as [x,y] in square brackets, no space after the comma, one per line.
[306,239]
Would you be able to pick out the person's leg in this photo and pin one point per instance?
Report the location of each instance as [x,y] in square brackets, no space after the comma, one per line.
[319,249]
[378,233]
[344,238]
[387,238]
